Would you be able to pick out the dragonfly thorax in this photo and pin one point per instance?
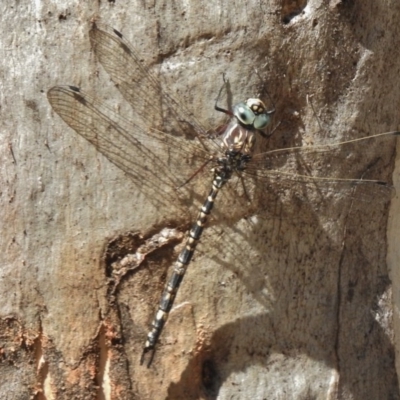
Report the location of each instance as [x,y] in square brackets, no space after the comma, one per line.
[232,162]
[238,139]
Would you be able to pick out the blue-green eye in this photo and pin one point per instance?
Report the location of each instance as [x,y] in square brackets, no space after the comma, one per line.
[252,114]
[244,114]
[261,121]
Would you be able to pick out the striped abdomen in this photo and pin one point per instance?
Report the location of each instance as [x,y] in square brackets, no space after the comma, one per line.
[181,264]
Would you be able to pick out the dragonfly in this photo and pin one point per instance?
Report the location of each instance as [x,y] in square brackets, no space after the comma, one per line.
[164,149]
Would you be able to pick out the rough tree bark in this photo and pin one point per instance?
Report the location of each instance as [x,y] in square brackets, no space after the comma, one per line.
[291,302]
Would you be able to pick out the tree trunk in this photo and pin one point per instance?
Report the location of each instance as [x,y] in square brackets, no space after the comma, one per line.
[293,300]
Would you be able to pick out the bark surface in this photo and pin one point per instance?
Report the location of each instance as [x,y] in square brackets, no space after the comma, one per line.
[293,301]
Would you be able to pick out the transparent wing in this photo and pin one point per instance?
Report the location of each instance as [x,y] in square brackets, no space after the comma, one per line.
[158,163]
[151,104]
[313,175]
[353,159]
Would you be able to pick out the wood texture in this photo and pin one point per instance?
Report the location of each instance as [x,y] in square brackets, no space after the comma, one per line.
[290,303]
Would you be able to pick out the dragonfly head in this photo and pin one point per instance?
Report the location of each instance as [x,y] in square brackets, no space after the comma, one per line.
[252,114]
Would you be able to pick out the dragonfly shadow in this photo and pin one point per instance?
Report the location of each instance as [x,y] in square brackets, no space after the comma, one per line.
[295,229]
[286,352]
[320,300]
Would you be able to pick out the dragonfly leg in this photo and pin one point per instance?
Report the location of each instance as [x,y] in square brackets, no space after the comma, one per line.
[216,107]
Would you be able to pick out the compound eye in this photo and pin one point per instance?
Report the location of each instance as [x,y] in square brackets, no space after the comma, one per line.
[261,121]
[244,114]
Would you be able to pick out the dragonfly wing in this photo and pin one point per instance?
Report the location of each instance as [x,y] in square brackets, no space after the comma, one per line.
[155,161]
[280,180]
[350,162]
[151,104]
[315,174]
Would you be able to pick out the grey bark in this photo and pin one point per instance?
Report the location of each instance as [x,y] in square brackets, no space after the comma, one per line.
[291,302]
